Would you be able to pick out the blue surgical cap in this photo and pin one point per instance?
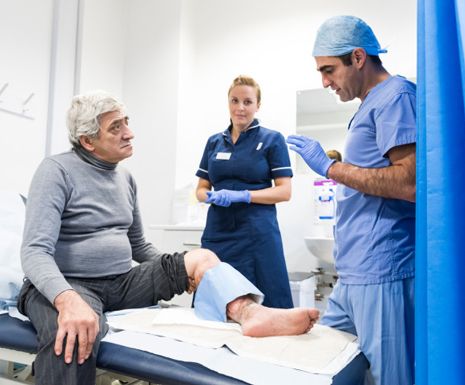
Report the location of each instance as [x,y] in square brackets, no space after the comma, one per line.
[340,35]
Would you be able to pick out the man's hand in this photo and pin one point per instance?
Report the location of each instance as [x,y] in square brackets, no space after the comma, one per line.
[311,152]
[78,322]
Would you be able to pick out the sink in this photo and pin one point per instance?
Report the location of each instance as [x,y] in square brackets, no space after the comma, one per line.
[321,248]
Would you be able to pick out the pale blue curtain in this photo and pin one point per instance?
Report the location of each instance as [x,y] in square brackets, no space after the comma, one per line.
[440,257]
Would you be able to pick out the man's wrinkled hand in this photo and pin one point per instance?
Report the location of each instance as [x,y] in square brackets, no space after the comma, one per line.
[77,323]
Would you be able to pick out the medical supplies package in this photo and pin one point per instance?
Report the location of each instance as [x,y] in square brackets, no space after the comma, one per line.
[12,211]
[323,350]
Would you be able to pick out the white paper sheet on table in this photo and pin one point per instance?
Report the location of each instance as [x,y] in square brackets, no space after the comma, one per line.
[323,350]
[220,360]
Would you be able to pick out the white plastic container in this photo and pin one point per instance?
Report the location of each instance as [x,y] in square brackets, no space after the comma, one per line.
[302,289]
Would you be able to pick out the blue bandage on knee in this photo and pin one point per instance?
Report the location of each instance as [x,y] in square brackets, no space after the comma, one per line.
[219,286]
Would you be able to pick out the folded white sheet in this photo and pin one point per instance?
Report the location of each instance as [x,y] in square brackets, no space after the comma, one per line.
[323,350]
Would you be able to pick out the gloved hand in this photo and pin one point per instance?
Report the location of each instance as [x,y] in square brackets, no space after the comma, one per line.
[226,197]
[311,152]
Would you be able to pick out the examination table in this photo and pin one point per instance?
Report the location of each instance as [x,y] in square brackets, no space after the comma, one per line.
[18,344]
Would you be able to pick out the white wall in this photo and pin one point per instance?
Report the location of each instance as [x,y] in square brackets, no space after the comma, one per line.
[25,40]
[151,92]
[131,48]
[103,46]
[38,40]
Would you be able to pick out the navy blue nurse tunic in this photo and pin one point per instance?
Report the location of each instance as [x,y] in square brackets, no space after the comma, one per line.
[246,235]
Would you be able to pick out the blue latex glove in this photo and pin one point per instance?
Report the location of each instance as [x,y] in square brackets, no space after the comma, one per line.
[311,152]
[226,197]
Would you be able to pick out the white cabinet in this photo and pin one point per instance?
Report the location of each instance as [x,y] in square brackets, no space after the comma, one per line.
[171,238]
[176,238]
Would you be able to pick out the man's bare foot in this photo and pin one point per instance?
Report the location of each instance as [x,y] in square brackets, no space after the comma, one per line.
[260,321]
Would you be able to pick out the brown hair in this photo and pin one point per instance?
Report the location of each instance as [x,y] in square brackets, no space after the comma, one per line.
[243,80]
[334,154]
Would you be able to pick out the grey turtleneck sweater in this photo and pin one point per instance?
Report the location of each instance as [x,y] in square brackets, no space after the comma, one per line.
[82,221]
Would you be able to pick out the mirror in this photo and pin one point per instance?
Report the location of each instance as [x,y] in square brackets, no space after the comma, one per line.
[323,117]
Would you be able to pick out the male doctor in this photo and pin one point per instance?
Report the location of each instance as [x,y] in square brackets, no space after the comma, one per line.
[375,219]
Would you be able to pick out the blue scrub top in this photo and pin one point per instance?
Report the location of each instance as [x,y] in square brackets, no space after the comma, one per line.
[374,236]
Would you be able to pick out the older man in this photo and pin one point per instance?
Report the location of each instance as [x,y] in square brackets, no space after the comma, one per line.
[375,220]
[83,229]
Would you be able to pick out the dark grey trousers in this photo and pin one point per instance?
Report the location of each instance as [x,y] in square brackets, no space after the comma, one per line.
[142,286]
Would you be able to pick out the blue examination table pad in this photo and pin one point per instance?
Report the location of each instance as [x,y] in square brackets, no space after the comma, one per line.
[17,335]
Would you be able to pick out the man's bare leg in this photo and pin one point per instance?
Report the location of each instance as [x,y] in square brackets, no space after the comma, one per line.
[260,321]
[197,262]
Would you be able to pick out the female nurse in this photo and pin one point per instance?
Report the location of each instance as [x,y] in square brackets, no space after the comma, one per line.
[245,170]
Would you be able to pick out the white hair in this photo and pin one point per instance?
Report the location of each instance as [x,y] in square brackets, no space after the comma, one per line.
[83,116]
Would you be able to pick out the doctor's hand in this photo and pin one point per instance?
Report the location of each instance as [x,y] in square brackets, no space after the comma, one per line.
[311,152]
[226,197]
[78,323]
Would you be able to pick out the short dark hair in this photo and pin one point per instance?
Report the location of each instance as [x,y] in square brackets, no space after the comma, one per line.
[347,59]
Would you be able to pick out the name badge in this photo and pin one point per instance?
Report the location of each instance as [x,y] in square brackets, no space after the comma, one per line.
[223,155]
